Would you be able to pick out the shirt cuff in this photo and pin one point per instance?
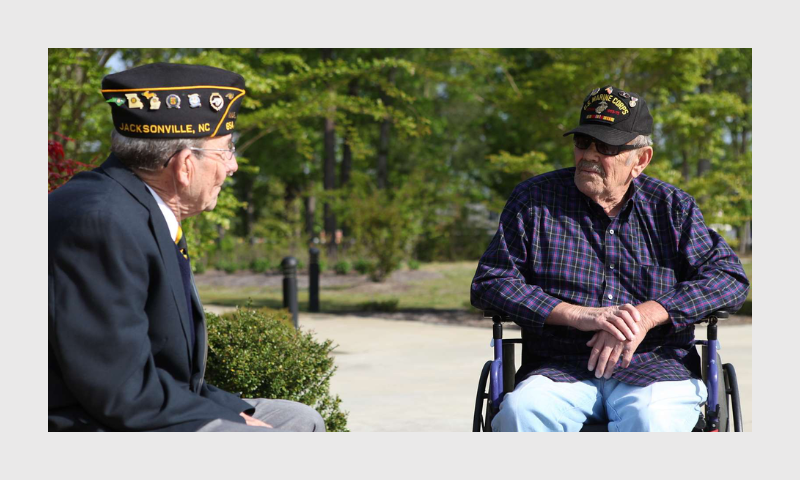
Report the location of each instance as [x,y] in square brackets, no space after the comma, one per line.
[539,305]
[677,317]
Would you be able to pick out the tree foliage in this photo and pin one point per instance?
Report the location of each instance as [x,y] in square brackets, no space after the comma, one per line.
[421,136]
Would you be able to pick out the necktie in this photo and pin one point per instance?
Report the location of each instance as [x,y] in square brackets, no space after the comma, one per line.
[180,241]
[186,275]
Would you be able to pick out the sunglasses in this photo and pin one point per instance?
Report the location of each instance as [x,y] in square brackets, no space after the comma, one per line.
[584,141]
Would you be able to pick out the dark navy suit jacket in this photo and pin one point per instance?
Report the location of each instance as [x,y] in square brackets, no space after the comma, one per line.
[120,355]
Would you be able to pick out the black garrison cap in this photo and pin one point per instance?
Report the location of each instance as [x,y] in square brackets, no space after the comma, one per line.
[165,100]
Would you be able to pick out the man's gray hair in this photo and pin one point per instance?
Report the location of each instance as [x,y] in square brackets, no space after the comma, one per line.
[149,154]
[639,142]
[643,141]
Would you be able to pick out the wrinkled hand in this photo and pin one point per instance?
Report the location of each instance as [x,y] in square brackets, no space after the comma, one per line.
[621,321]
[606,350]
[254,422]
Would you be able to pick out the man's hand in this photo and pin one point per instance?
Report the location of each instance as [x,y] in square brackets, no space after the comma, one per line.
[253,422]
[607,348]
[621,321]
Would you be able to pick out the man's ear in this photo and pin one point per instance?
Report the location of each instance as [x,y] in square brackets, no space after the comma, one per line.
[643,157]
[182,166]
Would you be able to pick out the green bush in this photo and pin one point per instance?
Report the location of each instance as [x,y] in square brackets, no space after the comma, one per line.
[323,266]
[342,268]
[363,266]
[259,353]
[413,265]
[228,266]
[199,267]
[386,222]
[389,305]
[261,265]
[747,308]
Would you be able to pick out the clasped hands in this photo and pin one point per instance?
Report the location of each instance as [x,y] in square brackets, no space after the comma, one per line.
[619,331]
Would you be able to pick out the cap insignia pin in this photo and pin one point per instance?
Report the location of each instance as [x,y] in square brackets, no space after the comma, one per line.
[603,105]
[229,96]
[194,100]
[133,101]
[216,101]
[116,101]
[595,91]
[633,101]
[173,101]
[609,90]
[155,102]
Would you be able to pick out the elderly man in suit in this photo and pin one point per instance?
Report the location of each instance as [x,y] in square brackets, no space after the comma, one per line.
[127,336]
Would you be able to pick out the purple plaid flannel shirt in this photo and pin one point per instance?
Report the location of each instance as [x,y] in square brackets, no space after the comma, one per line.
[554,244]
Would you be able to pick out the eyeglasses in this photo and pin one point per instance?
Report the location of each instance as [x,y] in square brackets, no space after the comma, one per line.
[227,156]
[584,141]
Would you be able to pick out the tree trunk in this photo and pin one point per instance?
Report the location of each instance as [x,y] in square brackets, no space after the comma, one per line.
[329,183]
[347,157]
[686,167]
[310,204]
[703,167]
[383,142]
[329,165]
[744,238]
[250,210]
[290,206]
[347,152]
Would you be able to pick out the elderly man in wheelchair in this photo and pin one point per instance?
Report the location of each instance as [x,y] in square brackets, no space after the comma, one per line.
[606,271]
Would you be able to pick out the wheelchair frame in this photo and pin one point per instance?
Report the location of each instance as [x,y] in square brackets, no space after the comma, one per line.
[500,372]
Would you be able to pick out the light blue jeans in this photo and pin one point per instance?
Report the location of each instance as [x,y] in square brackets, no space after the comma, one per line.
[539,404]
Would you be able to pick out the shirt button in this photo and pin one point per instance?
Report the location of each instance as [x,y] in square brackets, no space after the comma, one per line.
[611,231]
[610,297]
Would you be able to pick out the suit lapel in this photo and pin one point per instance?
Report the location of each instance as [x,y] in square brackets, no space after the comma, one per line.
[134,185]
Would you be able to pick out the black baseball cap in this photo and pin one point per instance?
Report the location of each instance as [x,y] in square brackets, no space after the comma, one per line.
[614,116]
[167,100]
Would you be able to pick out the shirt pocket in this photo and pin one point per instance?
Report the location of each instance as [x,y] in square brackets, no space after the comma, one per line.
[646,282]
[655,281]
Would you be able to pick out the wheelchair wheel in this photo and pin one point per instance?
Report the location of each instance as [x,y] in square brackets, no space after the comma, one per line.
[732,387]
[724,413]
[722,392]
[478,422]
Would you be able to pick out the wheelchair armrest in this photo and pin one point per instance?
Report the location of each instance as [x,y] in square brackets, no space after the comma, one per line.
[718,314]
[496,317]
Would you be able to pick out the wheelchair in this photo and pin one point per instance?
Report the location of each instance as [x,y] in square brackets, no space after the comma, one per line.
[723,387]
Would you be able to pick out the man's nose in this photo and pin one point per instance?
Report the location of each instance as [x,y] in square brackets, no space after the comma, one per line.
[232,165]
[590,153]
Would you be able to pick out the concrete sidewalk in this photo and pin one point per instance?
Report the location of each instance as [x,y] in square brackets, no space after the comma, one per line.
[402,376]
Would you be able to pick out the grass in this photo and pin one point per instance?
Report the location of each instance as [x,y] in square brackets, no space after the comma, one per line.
[448,293]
